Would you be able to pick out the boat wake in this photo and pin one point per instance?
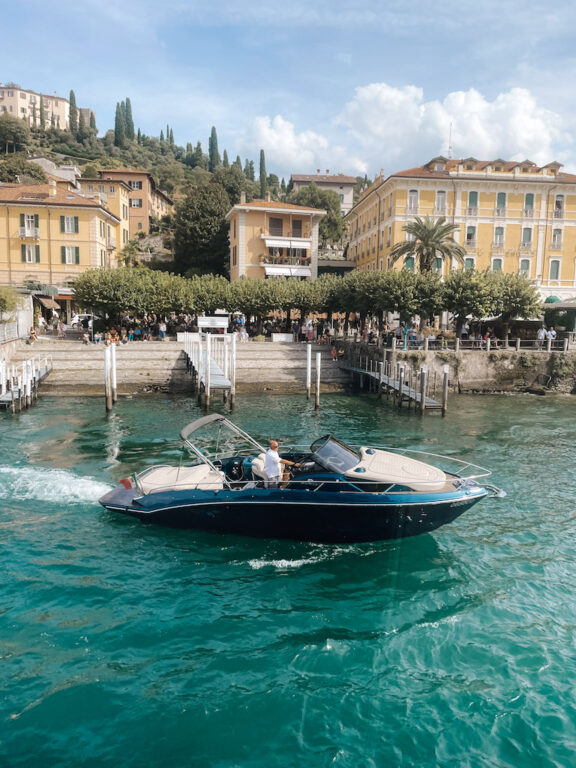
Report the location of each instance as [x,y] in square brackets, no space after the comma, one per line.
[48,485]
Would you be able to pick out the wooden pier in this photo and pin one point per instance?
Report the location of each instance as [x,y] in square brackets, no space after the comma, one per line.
[211,360]
[19,383]
[400,382]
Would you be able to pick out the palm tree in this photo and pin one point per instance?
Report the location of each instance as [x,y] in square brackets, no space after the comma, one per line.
[430,239]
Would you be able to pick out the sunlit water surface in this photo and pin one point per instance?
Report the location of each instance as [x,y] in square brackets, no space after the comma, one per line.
[123,644]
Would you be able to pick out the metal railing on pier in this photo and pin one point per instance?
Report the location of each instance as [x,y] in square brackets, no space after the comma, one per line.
[211,359]
[19,383]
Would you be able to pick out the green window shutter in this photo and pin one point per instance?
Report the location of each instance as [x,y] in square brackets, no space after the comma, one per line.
[501,200]
[63,253]
[37,254]
[77,253]
[36,220]
[23,252]
[62,223]
[76,224]
[22,220]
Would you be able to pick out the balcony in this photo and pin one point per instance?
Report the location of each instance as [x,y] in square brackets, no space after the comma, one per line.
[498,244]
[471,243]
[111,243]
[525,246]
[472,211]
[556,244]
[412,209]
[559,213]
[32,232]
[528,213]
[500,212]
[440,210]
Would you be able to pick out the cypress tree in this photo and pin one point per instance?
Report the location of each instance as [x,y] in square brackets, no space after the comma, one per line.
[81,133]
[73,114]
[263,182]
[225,161]
[119,127]
[42,114]
[171,138]
[213,155]
[238,162]
[283,187]
[251,171]
[161,136]
[93,122]
[129,120]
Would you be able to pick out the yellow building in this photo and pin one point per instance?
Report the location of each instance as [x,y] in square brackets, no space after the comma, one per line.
[269,239]
[146,200]
[115,197]
[51,235]
[514,217]
[27,105]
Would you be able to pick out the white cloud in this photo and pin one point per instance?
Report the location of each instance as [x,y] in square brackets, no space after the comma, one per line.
[398,128]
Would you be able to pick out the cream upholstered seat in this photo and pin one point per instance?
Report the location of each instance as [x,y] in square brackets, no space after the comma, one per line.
[259,467]
[200,477]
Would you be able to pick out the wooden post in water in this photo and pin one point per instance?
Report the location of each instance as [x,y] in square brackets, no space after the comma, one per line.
[207,377]
[107,379]
[423,379]
[380,379]
[113,382]
[445,390]
[233,372]
[308,370]
[226,343]
[318,368]
[400,385]
[2,377]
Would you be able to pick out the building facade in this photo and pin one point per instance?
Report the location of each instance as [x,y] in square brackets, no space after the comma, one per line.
[50,235]
[269,239]
[511,217]
[145,200]
[25,104]
[342,185]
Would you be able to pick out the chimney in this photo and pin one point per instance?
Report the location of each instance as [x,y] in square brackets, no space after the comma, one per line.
[242,198]
[52,188]
[327,171]
[317,170]
[268,197]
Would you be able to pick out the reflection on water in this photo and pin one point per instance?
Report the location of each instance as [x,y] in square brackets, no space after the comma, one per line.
[447,649]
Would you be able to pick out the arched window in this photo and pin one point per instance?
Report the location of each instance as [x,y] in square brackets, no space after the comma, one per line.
[409,263]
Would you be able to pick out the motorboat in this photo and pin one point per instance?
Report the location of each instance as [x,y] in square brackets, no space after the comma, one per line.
[334,493]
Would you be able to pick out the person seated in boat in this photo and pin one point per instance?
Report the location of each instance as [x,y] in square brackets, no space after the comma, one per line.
[275,466]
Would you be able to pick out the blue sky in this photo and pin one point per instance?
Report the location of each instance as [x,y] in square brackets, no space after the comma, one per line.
[353,86]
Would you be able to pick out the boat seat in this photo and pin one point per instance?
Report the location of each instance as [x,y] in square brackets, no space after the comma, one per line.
[201,477]
[258,467]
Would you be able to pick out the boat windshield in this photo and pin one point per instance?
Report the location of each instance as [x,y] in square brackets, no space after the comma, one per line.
[333,455]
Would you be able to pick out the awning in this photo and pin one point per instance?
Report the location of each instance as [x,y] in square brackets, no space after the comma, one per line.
[289,271]
[304,244]
[48,303]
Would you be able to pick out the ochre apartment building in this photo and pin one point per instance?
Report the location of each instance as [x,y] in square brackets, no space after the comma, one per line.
[50,235]
[146,200]
[272,239]
[513,217]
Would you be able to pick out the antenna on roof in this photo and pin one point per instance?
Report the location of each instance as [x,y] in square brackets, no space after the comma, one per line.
[450,143]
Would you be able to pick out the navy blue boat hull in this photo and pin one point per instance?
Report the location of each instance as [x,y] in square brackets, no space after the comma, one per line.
[275,513]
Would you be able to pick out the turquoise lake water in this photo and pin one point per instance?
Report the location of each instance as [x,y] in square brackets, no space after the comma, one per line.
[123,644]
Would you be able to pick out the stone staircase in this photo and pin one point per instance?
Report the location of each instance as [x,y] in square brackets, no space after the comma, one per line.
[142,367]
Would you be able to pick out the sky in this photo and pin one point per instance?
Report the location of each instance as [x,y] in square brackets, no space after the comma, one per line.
[351,86]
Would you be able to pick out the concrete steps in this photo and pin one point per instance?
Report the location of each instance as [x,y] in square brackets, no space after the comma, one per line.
[153,366]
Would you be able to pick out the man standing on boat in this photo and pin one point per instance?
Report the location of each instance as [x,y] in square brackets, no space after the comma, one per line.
[274,465]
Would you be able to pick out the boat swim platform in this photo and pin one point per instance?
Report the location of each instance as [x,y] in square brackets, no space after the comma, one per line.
[401,390]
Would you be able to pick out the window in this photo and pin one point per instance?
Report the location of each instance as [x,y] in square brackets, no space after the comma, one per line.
[124,236]
[472,203]
[413,201]
[111,189]
[275,226]
[528,204]
[526,237]
[29,225]
[102,229]
[234,256]
[102,257]
[69,224]
[438,264]
[297,228]
[525,267]
[440,206]
[470,236]
[234,229]
[409,263]
[559,207]
[70,254]
[439,166]
[124,211]
[468,263]
[341,198]
[554,269]
[135,184]
[22,95]
[389,237]
[498,236]
[500,203]
[90,187]
[101,188]
[139,225]
[30,254]
[496,265]
[556,238]
[136,202]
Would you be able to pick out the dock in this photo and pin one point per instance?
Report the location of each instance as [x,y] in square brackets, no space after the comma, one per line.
[211,360]
[19,383]
[405,386]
